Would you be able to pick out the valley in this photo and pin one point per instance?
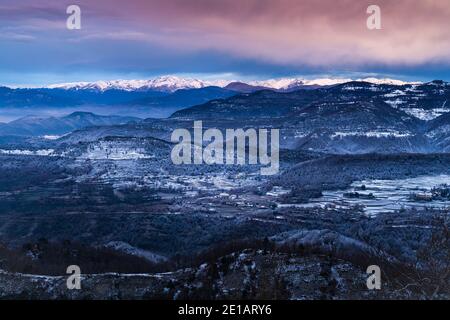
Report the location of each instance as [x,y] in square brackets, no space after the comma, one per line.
[354,188]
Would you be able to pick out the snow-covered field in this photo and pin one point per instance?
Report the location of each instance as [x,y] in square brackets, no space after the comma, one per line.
[107,152]
[371,134]
[387,195]
[43,152]
[426,114]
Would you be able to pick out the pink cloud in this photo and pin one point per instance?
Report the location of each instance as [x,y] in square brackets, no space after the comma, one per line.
[313,32]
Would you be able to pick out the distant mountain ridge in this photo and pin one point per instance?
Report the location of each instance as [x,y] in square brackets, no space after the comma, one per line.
[156,98]
[353,117]
[140,103]
[421,101]
[174,83]
[34,126]
[164,84]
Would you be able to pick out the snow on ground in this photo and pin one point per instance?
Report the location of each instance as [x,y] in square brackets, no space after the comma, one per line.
[127,248]
[43,152]
[386,195]
[51,137]
[106,151]
[278,191]
[371,134]
[425,114]
[419,113]
[395,94]
[395,103]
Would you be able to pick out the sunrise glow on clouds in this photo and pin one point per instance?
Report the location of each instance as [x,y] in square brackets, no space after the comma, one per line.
[247,38]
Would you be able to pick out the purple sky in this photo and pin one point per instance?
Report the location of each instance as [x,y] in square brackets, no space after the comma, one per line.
[222,39]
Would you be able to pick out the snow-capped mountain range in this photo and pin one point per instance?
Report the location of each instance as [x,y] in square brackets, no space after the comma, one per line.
[165,83]
[173,83]
[287,83]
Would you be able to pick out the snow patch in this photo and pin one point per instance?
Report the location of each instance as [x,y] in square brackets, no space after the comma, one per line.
[129,249]
[371,134]
[43,152]
[107,151]
[425,114]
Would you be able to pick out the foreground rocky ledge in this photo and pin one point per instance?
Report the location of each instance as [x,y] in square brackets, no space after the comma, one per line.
[315,264]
